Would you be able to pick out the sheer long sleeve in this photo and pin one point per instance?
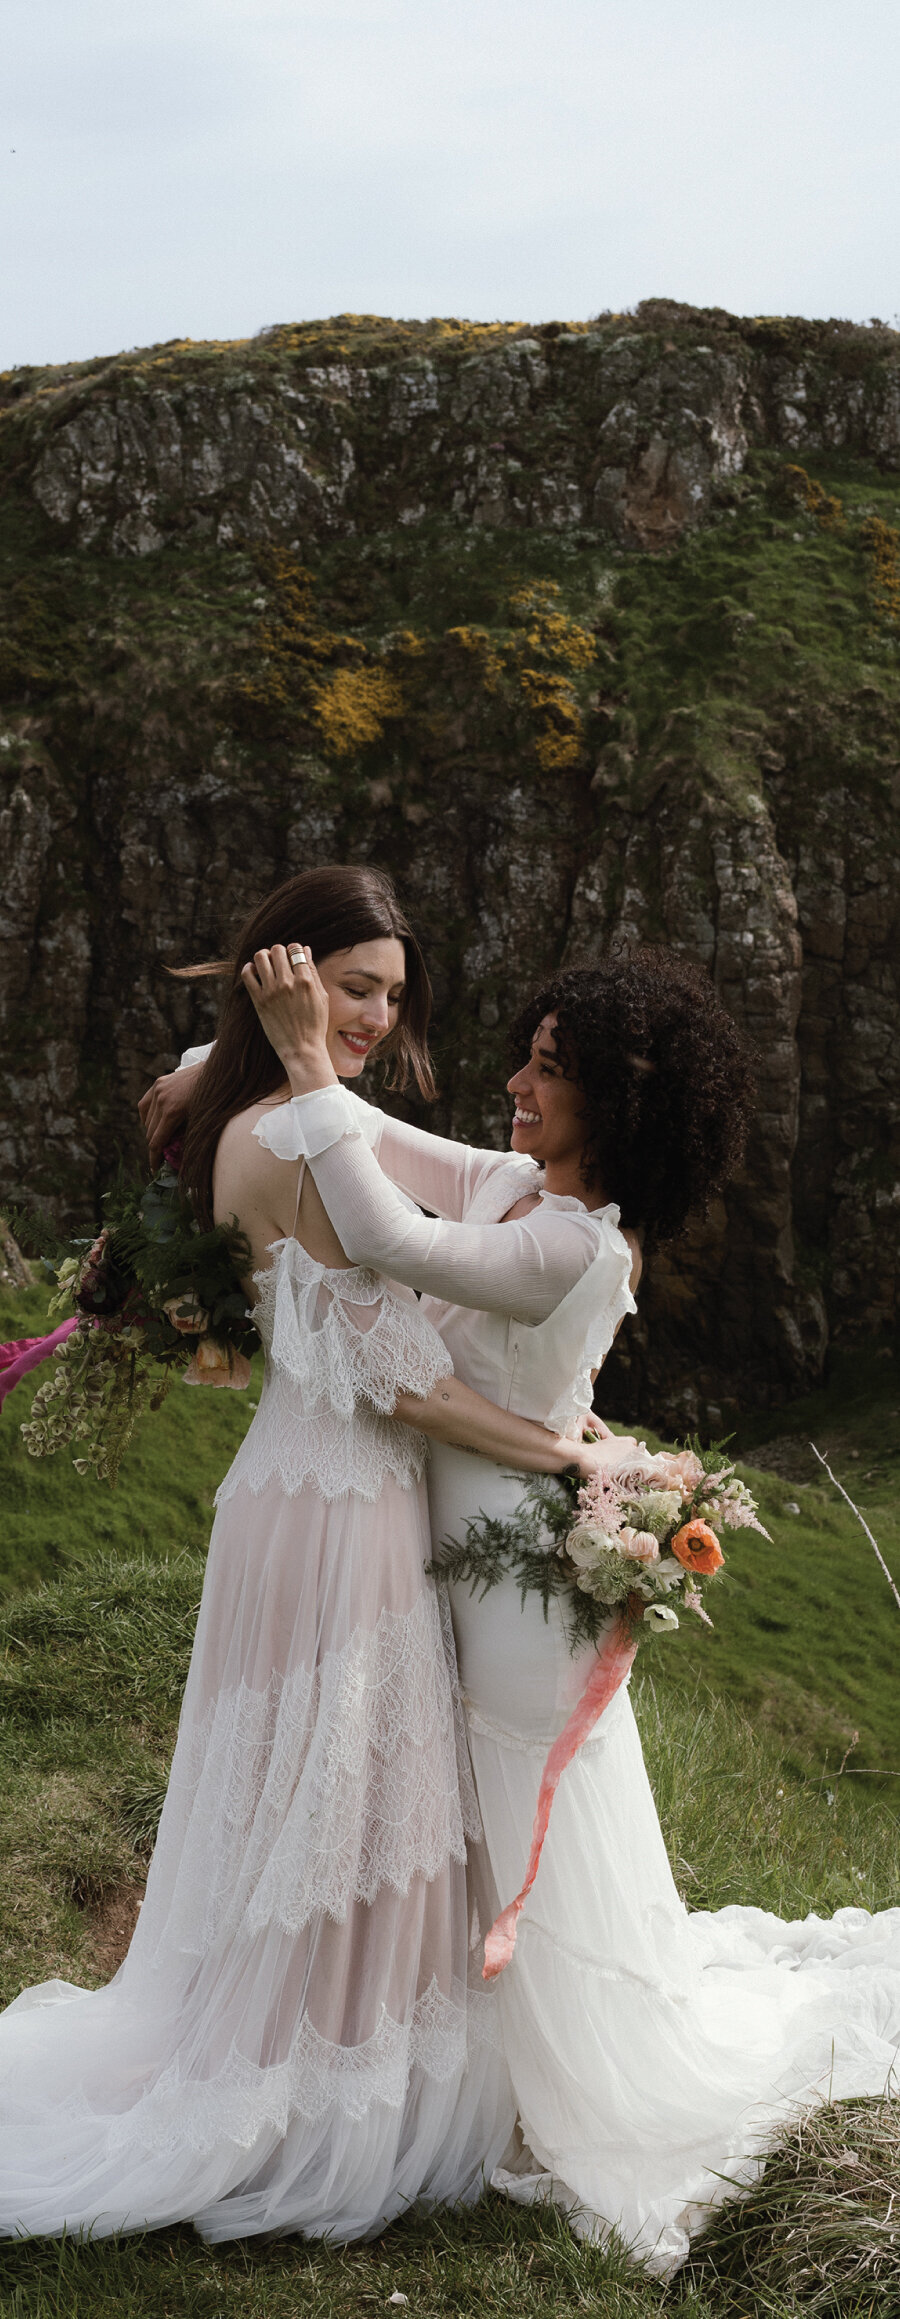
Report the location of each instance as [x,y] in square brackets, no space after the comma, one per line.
[437,1173]
[523,1268]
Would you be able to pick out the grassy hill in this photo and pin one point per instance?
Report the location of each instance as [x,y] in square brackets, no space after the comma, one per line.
[52,1517]
[743,1732]
[92,1668]
[805,1638]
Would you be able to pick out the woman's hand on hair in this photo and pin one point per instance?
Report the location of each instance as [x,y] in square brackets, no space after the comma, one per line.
[292,1005]
[164,1109]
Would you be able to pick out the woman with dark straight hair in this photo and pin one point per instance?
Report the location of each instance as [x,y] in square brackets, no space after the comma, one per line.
[291,2043]
[338,907]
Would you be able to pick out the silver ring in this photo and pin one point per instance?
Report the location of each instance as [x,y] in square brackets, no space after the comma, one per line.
[297,956]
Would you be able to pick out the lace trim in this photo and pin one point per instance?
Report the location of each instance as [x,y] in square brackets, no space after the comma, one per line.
[332,1455]
[243,2099]
[305,1316]
[340,1347]
[317,1792]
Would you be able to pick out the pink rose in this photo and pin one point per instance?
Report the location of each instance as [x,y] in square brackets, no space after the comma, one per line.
[639,1545]
[683,1469]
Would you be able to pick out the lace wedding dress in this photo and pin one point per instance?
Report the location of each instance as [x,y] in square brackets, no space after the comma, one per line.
[654,2052]
[290,2044]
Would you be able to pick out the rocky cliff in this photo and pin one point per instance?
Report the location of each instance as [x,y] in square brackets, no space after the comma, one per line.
[582,631]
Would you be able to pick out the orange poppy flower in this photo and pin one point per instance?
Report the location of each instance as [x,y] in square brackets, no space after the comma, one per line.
[696,1546]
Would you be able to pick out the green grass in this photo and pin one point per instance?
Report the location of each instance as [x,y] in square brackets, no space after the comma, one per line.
[497,2262]
[164,1498]
[91,1669]
[806,1629]
[805,1626]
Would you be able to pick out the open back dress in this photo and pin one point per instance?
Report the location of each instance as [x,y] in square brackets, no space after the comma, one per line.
[290,2043]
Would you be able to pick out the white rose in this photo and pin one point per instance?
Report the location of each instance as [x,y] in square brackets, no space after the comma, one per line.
[667,1572]
[584,1544]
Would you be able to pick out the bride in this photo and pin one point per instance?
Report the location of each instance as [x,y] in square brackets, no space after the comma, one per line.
[290,2044]
[654,2054]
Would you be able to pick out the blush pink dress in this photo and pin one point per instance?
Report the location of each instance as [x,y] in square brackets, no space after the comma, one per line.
[292,2043]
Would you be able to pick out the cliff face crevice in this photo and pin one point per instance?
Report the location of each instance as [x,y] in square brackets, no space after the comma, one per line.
[585,634]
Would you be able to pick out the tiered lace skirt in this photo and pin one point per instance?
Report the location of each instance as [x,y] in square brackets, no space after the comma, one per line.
[290,2044]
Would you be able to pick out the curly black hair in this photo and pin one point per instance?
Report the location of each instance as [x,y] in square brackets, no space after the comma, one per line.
[666,1078]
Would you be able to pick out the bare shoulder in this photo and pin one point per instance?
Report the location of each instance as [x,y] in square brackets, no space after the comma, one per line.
[248,1180]
[239,1147]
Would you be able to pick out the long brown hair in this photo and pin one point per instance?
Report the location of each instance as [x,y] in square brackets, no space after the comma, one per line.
[327,909]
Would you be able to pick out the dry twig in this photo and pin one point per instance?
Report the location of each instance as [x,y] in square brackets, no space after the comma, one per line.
[860,1518]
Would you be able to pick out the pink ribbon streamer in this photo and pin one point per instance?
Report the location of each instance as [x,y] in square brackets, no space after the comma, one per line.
[610,1668]
[26,1353]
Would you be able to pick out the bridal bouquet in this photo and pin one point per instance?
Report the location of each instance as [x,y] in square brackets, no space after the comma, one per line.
[645,1536]
[638,1539]
[153,1296]
[618,1551]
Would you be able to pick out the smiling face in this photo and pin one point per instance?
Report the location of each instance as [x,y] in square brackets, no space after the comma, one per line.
[365,988]
[548,1122]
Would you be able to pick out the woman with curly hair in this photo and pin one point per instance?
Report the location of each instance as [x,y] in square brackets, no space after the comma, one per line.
[654,2054]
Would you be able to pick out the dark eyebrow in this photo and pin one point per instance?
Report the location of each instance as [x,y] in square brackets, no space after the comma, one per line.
[546,1054]
[365,975]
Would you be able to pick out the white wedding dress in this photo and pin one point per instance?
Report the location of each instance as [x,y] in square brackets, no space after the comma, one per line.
[654,2053]
[290,2044]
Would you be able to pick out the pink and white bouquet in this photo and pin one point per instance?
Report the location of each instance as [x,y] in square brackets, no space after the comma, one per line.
[645,1535]
[618,1552]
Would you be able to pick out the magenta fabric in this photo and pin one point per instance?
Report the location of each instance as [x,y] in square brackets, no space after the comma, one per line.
[27,1352]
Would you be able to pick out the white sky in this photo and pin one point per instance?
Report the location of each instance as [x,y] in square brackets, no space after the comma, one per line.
[199,168]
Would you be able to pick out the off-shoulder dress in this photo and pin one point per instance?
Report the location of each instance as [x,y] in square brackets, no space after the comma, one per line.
[290,2044]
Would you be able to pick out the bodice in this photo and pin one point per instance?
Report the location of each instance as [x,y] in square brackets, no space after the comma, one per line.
[340,1344]
[540,1370]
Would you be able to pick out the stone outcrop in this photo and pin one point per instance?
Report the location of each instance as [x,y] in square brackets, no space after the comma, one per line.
[380,592]
[629,428]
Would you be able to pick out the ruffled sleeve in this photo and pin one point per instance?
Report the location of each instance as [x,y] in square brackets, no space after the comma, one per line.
[310,1124]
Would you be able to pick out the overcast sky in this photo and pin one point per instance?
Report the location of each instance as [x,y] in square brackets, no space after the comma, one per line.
[200,168]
